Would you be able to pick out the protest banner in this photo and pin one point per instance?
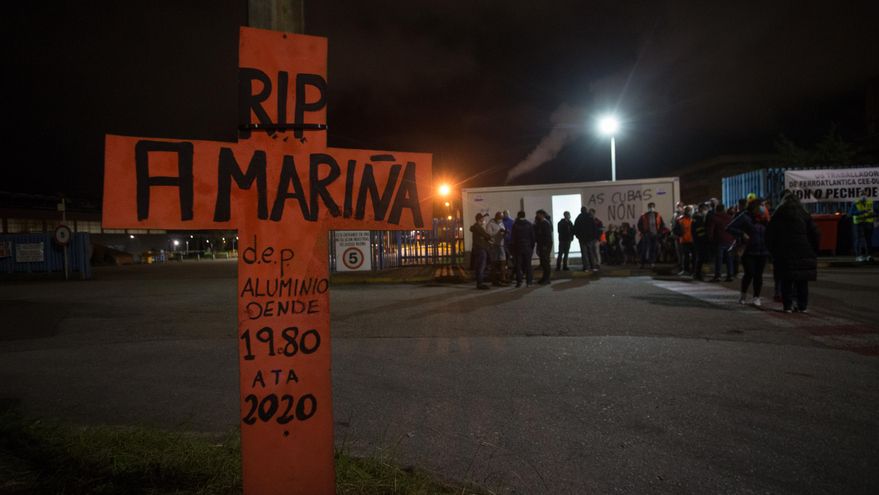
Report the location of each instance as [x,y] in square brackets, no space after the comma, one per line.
[833,185]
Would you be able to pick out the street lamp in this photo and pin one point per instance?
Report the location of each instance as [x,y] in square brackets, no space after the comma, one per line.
[444,190]
[608,125]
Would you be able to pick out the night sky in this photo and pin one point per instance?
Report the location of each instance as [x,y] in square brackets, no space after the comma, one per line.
[480,85]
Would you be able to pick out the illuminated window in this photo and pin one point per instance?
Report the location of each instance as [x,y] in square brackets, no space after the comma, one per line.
[16,225]
[90,226]
[33,225]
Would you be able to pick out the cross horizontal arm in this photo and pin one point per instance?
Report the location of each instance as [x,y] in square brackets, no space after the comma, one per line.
[175,184]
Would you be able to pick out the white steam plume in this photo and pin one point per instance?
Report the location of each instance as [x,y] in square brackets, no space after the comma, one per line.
[566,124]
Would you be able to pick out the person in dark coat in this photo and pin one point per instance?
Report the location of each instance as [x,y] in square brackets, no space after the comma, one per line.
[543,237]
[584,229]
[523,241]
[481,246]
[566,235]
[723,241]
[792,239]
[750,227]
[701,241]
[508,241]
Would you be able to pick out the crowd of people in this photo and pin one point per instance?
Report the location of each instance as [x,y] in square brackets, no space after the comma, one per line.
[749,235]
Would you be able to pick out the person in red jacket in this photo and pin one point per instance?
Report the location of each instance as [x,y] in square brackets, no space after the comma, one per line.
[723,241]
[650,225]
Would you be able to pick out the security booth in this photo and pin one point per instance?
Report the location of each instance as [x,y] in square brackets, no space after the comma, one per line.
[615,202]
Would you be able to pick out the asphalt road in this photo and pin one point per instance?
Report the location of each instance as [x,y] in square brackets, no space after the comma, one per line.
[608,385]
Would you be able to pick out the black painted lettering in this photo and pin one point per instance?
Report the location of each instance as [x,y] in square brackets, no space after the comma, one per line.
[254,310]
[306,407]
[318,186]
[227,170]
[302,106]
[286,258]
[313,307]
[248,418]
[283,92]
[247,289]
[368,186]
[183,181]
[267,254]
[289,176]
[258,380]
[277,374]
[251,103]
[284,287]
[349,188]
[291,377]
[407,197]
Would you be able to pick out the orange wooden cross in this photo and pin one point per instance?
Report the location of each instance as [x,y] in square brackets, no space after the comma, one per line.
[283,190]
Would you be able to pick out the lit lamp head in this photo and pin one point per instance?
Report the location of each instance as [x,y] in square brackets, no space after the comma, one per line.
[608,125]
[444,189]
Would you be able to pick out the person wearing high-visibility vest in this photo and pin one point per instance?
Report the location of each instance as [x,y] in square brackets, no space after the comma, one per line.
[863,216]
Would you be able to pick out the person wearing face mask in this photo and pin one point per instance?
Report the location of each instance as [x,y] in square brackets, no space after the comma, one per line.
[650,225]
[863,216]
[751,228]
[497,255]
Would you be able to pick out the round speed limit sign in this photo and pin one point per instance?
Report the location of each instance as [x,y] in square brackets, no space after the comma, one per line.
[353,258]
[62,235]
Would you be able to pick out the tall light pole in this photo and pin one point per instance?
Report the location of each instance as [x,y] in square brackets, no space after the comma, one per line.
[608,126]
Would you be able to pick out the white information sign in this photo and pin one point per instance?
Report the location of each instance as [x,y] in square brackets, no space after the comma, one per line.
[353,251]
[833,185]
[29,253]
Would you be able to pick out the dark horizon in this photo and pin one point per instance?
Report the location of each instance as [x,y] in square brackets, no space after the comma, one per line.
[478,85]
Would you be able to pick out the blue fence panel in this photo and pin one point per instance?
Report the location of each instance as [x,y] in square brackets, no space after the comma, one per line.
[739,186]
[78,254]
[769,184]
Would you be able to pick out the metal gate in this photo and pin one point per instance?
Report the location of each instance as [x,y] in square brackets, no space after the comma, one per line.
[769,183]
[441,245]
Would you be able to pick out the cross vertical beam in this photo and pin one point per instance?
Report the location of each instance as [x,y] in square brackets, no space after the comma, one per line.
[283,189]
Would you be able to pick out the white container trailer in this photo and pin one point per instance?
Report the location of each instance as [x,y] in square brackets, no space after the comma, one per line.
[614,202]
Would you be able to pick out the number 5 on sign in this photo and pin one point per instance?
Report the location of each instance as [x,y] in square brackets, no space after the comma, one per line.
[353,251]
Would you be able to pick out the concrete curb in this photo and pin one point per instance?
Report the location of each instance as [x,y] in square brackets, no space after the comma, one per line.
[456,274]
